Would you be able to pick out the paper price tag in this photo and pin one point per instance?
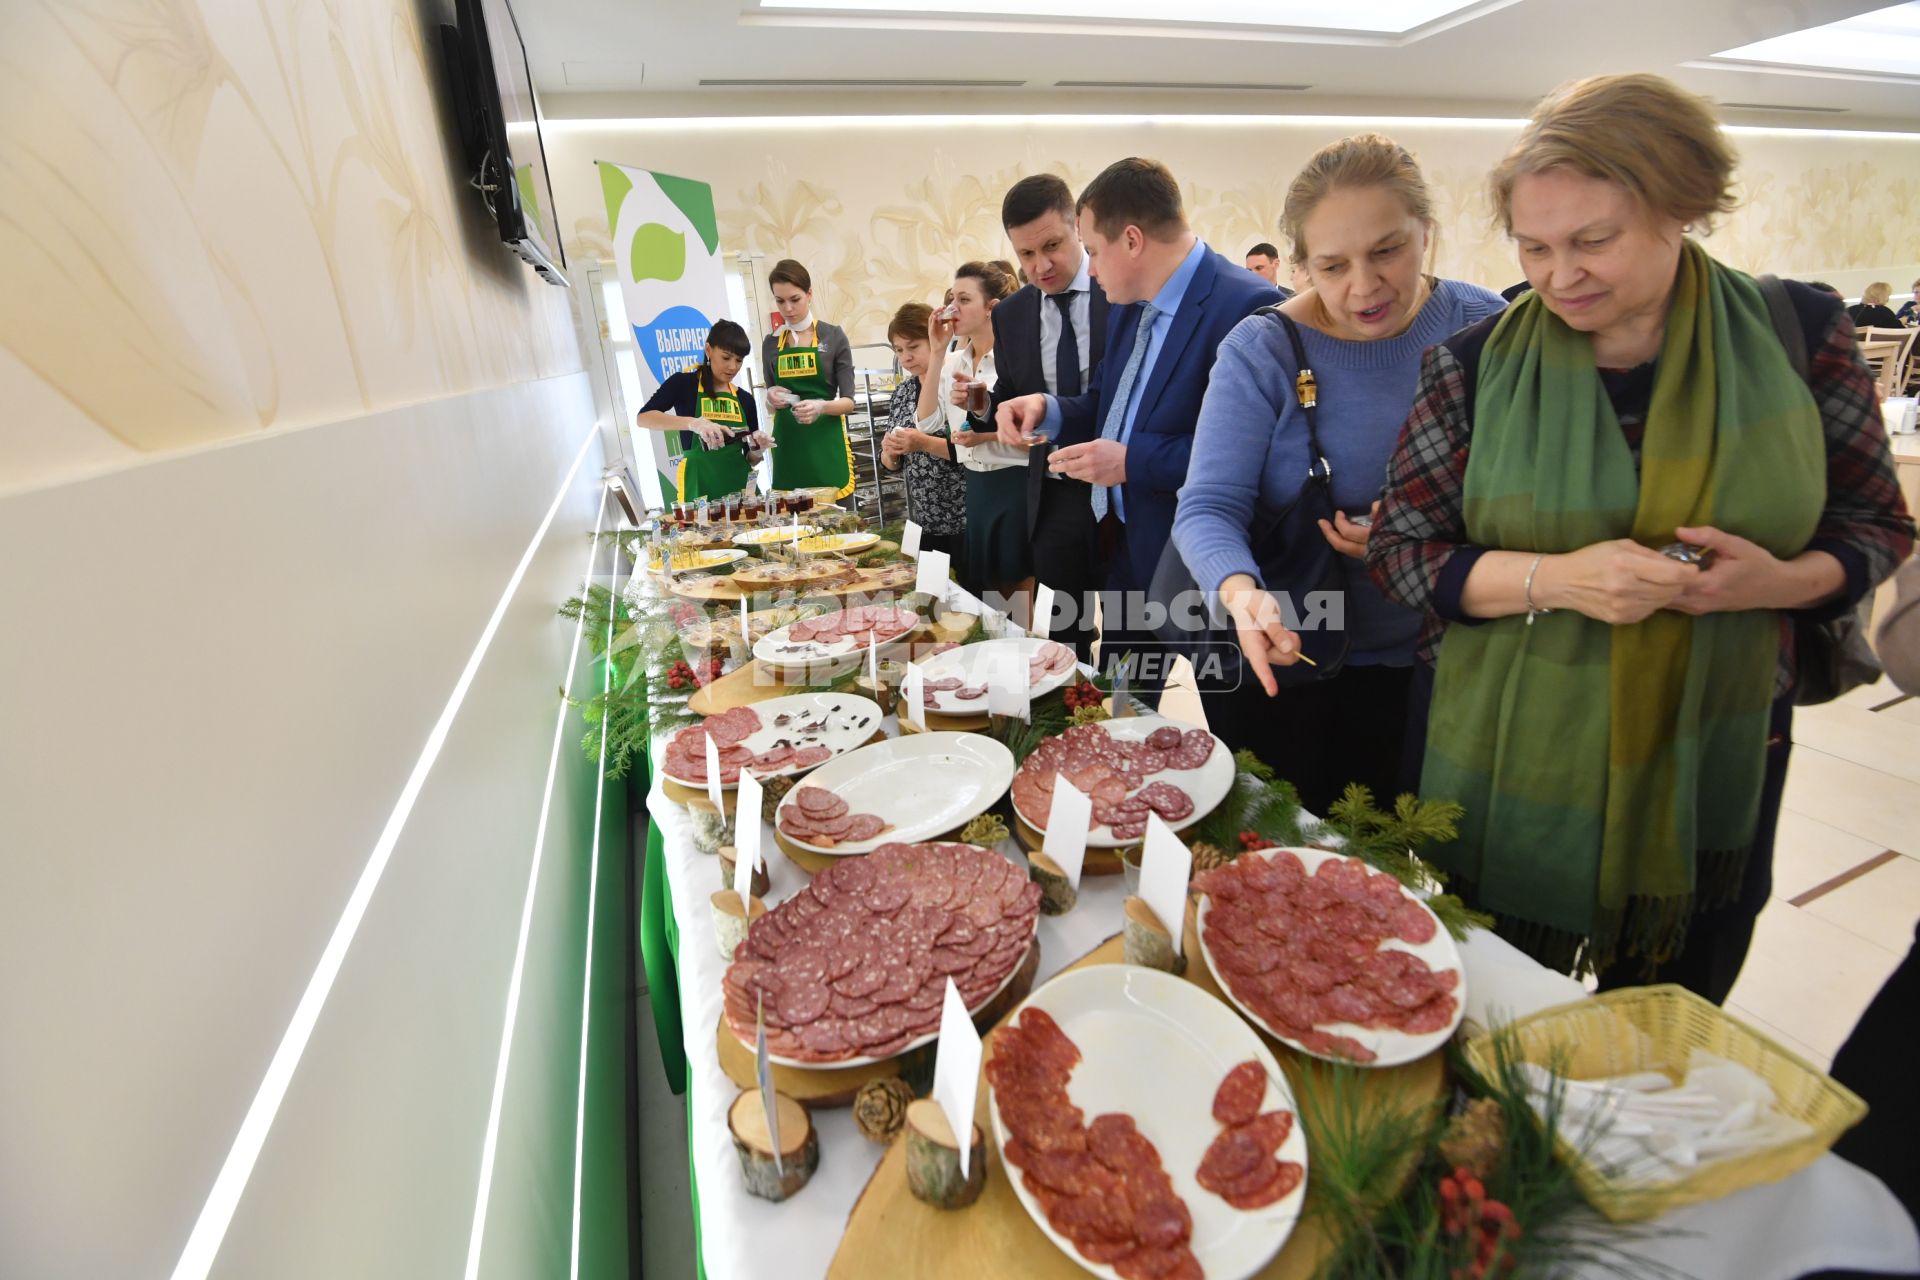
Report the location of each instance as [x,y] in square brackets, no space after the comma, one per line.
[873,660]
[956,1070]
[910,541]
[746,835]
[913,692]
[713,775]
[746,636]
[931,576]
[1008,693]
[1042,612]
[1165,864]
[1066,838]
[763,1075]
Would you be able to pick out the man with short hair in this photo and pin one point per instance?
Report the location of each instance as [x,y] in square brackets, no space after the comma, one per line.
[1048,338]
[1129,434]
[1264,261]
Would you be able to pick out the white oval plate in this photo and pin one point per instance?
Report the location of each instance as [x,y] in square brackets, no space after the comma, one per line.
[849,719]
[768,537]
[1208,785]
[973,664]
[768,648]
[1156,1047]
[712,558]
[836,543]
[925,784]
[1391,1047]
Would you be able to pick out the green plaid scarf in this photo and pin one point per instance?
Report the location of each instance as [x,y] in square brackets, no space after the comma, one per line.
[1611,775]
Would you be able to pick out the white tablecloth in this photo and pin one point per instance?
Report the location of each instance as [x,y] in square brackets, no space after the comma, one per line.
[1831,1214]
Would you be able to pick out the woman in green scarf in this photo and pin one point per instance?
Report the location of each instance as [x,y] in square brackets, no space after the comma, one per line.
[1614,500]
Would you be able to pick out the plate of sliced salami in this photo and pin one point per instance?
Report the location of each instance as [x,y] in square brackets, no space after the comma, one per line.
[775,738]
[956,681]
[903,789]
[837,635]
[1146,1129]
[1130,767]
[853,968]
[1338,960]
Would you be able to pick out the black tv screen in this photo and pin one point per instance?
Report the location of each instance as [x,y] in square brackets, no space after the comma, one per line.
[500,126]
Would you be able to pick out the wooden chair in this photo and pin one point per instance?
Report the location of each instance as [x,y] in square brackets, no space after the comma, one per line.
[1889,353]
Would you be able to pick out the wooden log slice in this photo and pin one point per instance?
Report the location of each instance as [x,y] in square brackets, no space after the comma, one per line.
[1057,894]
[730,920]
[762,884]
[799,1145]
[1147,942]
[933,1158]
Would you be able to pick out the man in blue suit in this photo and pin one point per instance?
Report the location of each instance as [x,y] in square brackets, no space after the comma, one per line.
[1130,432]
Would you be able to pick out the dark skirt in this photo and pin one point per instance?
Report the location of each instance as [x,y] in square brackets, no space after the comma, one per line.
[1323,734]
[998,554]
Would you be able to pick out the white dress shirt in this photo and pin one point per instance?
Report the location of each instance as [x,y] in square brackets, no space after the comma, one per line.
[1082,306]
[957,364]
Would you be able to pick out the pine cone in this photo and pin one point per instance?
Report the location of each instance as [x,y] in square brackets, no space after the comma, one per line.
[1476,1138]
[1208,856]
[987,830]
[880,1108]
[772,792]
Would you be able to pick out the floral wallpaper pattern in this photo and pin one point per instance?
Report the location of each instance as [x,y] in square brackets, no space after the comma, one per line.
[222,218]
[883,215]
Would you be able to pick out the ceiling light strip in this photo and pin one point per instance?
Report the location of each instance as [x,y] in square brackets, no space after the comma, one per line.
[490,1146]
[760,124]
[586,969]
[216,1215]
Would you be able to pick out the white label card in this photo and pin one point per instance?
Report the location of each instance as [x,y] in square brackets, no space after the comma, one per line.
[1007,691]
[1042,612]
[746,636]
[931,577]
[873,660]
[1165,864]
[910,540]
[713,775]
[763,1074]
[913,693]
[956,1070]
[746,835]
[1066,839]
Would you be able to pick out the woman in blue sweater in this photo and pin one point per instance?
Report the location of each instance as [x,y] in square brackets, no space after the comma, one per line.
[1360,219]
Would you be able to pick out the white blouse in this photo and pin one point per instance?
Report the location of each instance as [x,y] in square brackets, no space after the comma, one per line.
[959,364]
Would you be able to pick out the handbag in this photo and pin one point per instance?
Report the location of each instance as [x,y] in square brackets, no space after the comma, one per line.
[1297,564]
[1832,656]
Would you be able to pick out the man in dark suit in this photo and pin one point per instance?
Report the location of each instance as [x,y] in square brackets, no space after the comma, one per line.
[1130,433]
[1048,339]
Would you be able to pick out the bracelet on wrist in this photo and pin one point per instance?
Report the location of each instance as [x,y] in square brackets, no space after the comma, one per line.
[1533,610]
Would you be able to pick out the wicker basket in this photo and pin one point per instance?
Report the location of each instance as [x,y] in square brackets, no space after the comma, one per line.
[1656,1029]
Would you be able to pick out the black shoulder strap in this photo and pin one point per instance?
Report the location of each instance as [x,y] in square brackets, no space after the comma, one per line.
[1786,324]
[1306,390]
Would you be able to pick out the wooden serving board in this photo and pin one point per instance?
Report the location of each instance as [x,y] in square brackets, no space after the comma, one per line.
[890,1233]
[680,793]
[757,682]
[836,1087]
[724,590]
[814,863]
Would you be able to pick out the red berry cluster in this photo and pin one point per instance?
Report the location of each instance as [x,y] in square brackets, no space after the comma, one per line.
[1251,840]
[1487,1225]
[680,675]
[1083,693]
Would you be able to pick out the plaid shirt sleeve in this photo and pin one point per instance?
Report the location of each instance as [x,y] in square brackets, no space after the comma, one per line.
[1418,554]
[1866,525]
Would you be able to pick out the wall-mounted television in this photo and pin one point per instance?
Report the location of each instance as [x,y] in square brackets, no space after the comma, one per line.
[500,129]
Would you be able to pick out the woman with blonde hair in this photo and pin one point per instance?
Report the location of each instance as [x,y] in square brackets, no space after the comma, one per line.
[1614,501]
[1872,311]
[1360,219]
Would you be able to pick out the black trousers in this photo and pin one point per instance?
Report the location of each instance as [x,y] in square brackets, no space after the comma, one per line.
[1875,1063]
[1718,940]
[1322,735]
[1120,598]
[1065,555]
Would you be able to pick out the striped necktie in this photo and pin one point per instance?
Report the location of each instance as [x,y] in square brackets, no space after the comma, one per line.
[1122,397]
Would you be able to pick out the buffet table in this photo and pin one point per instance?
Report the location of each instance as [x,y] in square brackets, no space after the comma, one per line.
[1830,1215]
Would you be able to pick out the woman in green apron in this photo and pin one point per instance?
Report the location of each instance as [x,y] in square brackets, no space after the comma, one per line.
[809,371]
[715,427]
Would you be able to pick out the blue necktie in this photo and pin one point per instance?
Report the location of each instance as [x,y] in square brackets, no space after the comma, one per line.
[1122,395]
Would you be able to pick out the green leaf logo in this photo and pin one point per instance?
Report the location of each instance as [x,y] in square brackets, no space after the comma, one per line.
[659,253]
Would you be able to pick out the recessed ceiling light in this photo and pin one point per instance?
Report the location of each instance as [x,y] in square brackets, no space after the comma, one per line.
[1392,17]
[1884,42]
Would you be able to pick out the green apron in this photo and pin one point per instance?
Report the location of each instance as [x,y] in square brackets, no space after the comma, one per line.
[714,473]
[814,455]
